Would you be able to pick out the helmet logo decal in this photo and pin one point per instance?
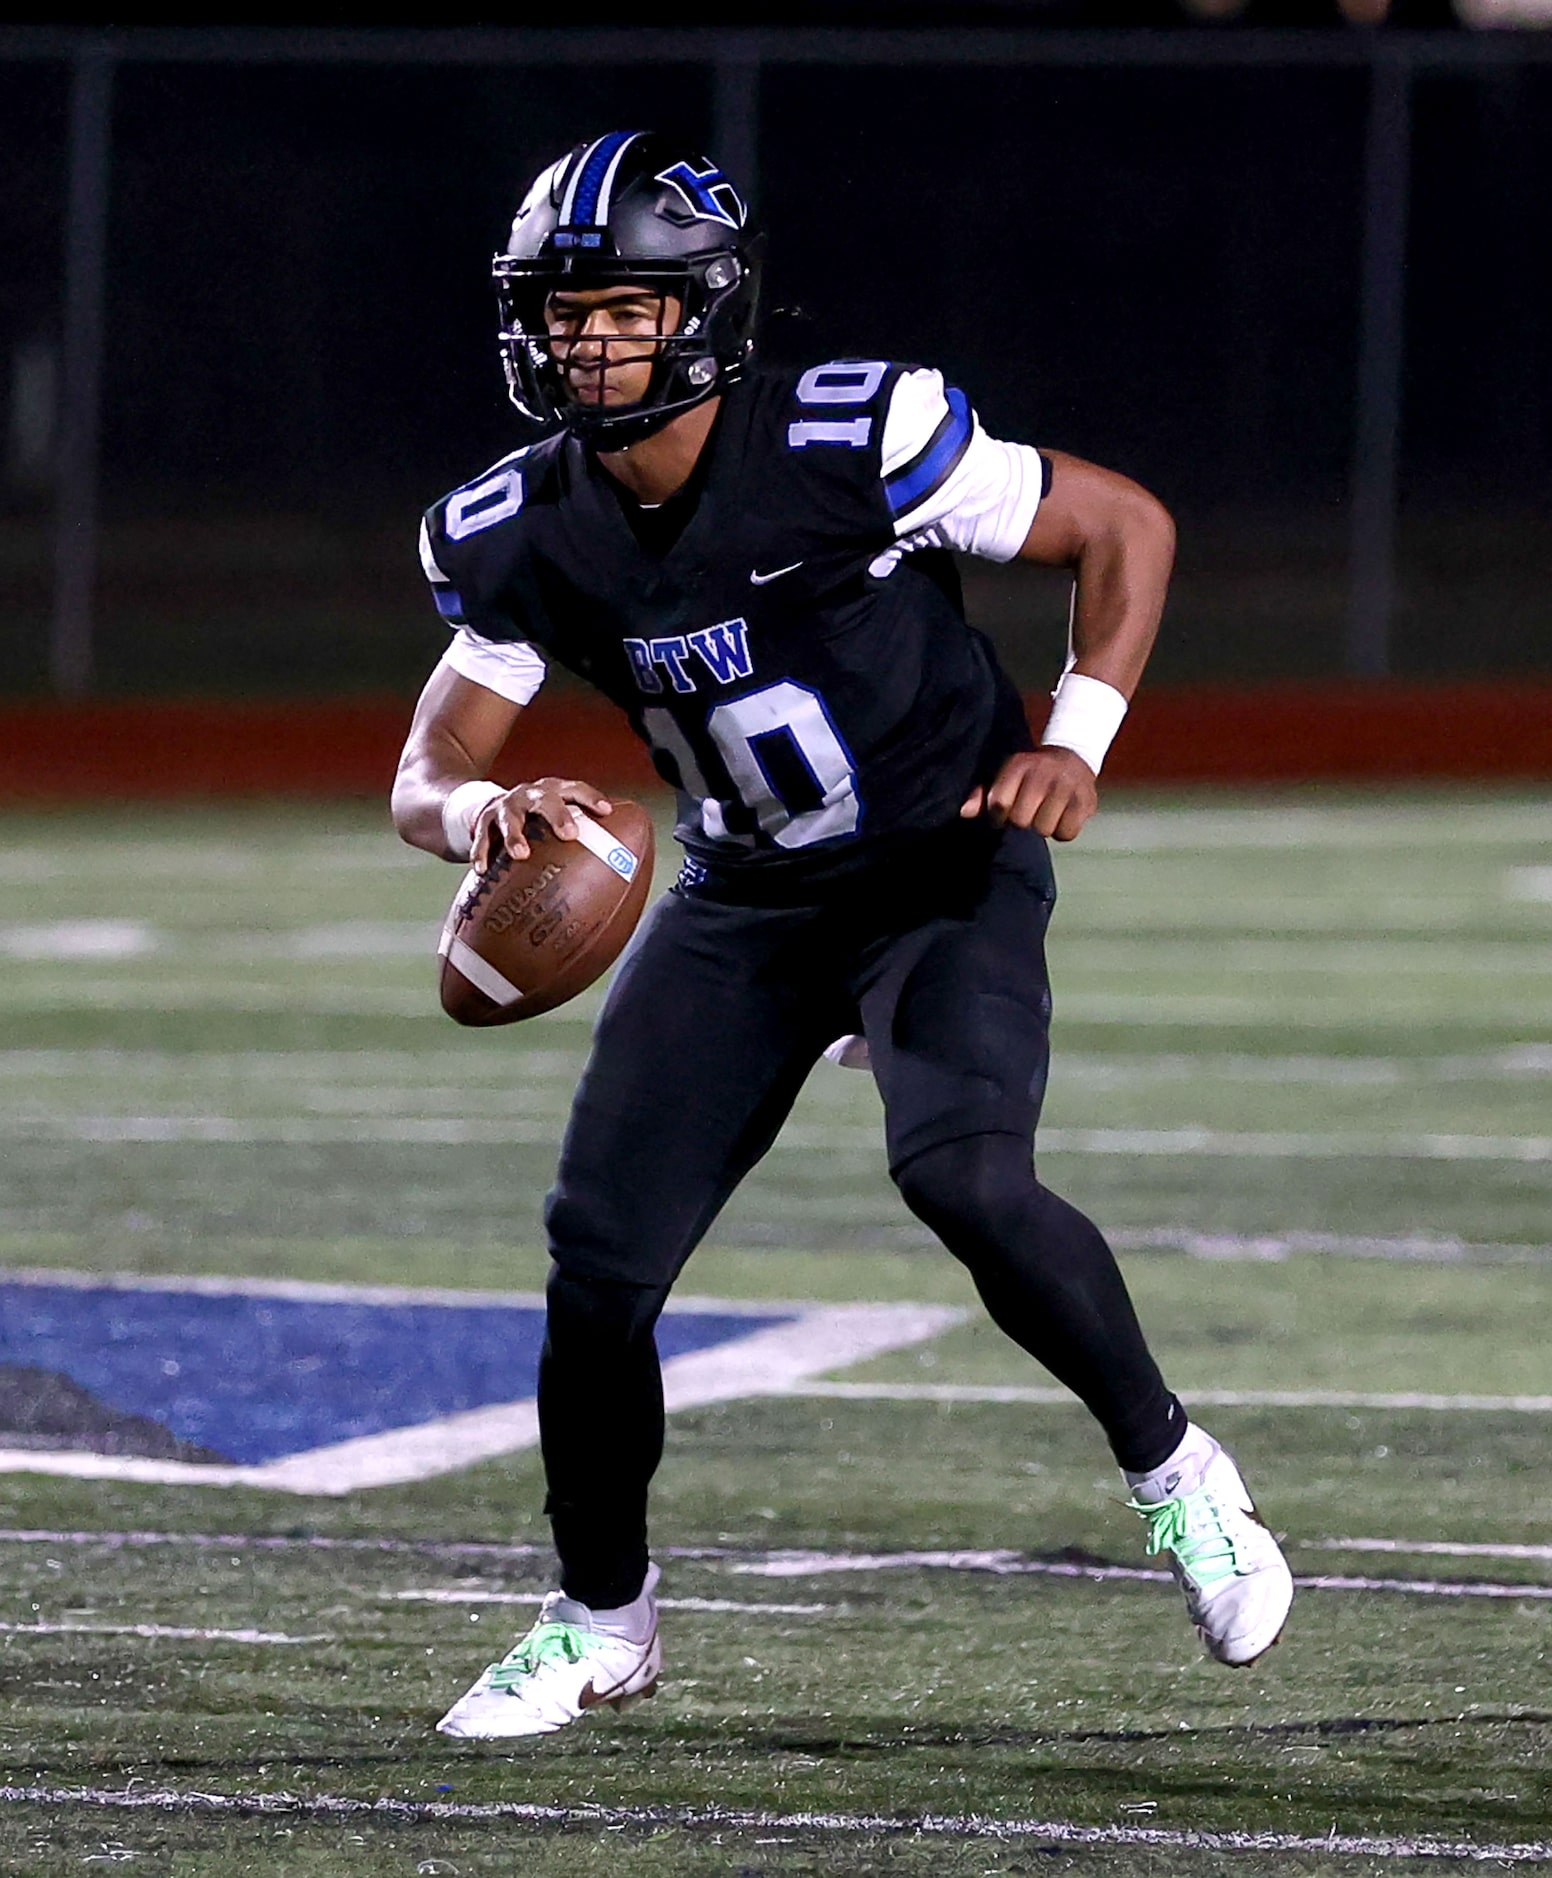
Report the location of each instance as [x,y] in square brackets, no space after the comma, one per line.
[587,198]
[707,193]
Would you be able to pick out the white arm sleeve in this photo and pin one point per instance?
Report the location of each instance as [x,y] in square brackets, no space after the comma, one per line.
[513,669]
[948,483]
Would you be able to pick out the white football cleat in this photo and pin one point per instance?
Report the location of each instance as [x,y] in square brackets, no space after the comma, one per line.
[562,1669]
[1237,1584]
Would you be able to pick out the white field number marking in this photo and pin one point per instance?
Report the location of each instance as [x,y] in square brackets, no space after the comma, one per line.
[766,1360]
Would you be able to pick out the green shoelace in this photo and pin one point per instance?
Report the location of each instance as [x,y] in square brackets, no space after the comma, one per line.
[545,1643]
[1208,1555]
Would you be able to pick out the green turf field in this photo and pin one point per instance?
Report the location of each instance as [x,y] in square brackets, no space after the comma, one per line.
[1303,1074]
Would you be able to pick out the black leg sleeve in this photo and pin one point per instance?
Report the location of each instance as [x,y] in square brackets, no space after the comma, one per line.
[601,1429]
[1050,1281]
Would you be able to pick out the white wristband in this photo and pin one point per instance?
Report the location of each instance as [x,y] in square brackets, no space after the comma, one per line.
[1085,715]
[461,810]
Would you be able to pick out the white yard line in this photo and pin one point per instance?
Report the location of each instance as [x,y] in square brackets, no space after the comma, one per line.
[284,1130]
[345,1069]
[1422,1248]
[1038,1396]
[1144,831]
[220,994]
[183,1631]
[105,939]
[935,1825]
[1528,883]
[1295,1146]
[1418,958]
[1522,1062]
[798,1564]
[453,1131]
[1002,1562]
[767,1361]
[1265,1004]
[195,857]
[717,1606]
[79,939]
[1012,1565]
[1236,948]
[334,1067]
[293,1542]
[1439,1548]
[1427,1587]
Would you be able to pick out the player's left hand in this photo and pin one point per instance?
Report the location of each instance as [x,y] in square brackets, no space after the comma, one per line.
[1051,790]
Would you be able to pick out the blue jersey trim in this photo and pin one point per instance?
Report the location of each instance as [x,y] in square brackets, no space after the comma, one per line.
[929,470]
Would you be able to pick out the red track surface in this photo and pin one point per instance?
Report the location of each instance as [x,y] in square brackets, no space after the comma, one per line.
[1270,734]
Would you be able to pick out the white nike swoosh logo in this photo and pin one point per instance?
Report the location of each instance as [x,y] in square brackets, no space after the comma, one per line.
[762,580]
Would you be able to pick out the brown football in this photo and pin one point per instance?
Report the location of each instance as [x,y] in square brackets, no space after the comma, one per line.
[527,935]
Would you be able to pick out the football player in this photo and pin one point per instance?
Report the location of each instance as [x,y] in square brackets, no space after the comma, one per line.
[756,567]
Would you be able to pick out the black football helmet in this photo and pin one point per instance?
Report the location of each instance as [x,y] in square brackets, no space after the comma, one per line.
[630,209]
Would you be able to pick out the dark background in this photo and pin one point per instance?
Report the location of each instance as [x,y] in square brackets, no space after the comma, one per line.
[1156,268]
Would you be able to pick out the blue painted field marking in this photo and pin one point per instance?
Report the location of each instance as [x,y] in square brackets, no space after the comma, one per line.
[257,1377]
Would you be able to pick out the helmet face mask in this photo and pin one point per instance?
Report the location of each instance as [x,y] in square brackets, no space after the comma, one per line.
[627,211]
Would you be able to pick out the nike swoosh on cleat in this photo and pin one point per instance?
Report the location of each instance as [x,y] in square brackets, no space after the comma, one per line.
[612,1696]
[763,580]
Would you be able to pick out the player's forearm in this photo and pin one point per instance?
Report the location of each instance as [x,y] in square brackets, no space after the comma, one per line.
[427,778]
[456,736]
[1122,575]
[1119,542]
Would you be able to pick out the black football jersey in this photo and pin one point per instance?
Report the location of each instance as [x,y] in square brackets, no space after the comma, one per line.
[814,695]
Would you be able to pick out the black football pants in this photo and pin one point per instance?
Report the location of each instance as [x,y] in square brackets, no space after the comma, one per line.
[715,1019]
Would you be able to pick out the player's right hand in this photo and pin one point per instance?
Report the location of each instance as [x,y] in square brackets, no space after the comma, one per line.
[1051,790]
[500,824]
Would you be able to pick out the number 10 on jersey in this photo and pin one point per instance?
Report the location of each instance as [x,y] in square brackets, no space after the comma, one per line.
[784,758]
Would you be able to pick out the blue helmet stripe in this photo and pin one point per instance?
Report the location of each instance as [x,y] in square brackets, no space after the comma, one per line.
[930,469]
[595,168]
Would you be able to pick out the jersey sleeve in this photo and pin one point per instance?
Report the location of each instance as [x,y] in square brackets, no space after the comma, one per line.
[948,484]
[513,668]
